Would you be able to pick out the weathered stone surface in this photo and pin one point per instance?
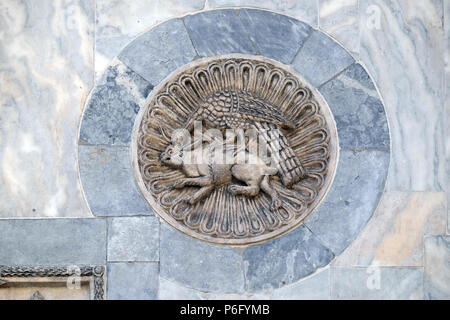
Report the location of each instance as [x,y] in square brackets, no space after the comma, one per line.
[340,19]
[132,281]
[113,105]
[52,241]
[357,109]
[284,260]
[133,239]
[46,72]
[377,283]
[304,10]
[198,264]
[218,32]
[274,35]
[317,287]
[159,51]
[108,181]
[402,45]
[352,198]
[437,268]
[171,290]
[119,22]
[321,58]
[394,235]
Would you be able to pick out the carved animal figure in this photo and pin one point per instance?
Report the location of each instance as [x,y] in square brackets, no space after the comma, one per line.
[202,170]
[240,109]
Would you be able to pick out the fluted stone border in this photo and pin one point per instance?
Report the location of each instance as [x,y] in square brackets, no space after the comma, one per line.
[105,133]
[97,273]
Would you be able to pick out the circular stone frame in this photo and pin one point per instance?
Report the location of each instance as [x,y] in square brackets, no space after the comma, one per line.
[105,159]
[316,98]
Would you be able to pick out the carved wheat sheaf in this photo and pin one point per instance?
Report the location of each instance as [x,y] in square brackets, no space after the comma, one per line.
[223,217]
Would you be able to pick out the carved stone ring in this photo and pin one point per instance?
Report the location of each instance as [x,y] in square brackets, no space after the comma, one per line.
[282,180]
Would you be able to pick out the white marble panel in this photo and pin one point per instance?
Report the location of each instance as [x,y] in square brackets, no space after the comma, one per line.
[304,10]
[46,72]
[402,46]
[119,22]
[340,19]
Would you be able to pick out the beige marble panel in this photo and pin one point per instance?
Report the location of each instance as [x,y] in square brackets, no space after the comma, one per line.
[46,72]
[394,235]
[44,289]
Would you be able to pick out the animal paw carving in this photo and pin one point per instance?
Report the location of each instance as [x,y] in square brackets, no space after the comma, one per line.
[179,184]
[275,205]
[234,189]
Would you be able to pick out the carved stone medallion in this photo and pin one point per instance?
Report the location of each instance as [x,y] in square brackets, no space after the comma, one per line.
[235,149]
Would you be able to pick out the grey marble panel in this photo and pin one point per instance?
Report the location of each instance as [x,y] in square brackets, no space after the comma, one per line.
[133,239]
[284,260]
[377,283]
[275,36]
[321,58]
[352,198]
[402,45]
[304,10]
[437,268]
[316,287]
[109,183]
[132,281]
[52,241]
[218,32]
[357,109]
[159,51]
[113,106]
[198,264]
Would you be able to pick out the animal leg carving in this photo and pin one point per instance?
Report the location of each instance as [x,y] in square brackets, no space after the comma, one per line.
[197,182]
[265,186]
[200,194]
[250,191]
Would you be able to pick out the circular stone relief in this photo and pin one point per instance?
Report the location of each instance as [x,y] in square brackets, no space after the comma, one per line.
[234,149]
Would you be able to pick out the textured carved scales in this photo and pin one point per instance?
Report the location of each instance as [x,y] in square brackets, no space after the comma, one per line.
[240,109]
[235,203]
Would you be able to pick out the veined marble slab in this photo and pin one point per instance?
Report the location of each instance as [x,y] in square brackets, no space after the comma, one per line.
[447,101]
[119,22]
[437,268]
[402,46]
[46,72]
[304,10]
[340,19]
[394,235]
[316,287]
[376,283]
[172,290]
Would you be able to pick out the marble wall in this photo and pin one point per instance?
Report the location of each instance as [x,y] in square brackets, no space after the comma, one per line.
[53,51]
